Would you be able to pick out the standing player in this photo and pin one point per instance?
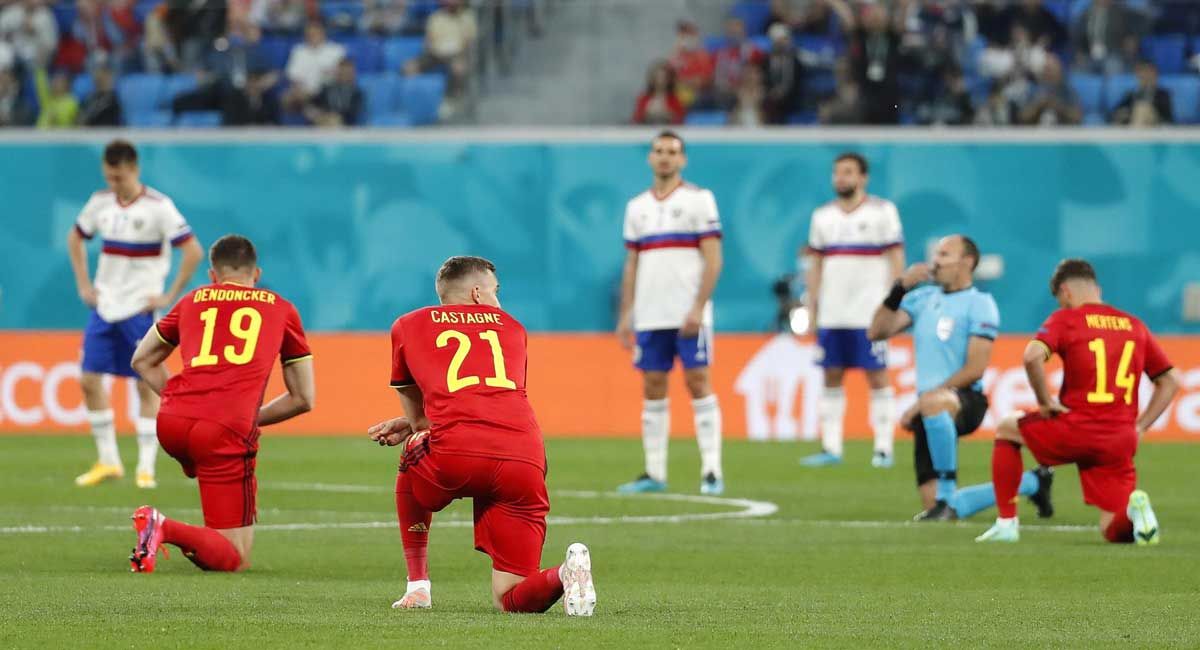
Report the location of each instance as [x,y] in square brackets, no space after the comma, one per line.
[229,335]
[673,237]
[469,431]
[136,224]
[1096,425]
[855,252]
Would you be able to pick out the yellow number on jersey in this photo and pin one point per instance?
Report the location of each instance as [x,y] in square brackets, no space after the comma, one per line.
[245,324]
[454,382]
[1124,378]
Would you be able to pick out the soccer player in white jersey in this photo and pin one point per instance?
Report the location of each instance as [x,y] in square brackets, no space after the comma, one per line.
[855,252]
[673,237]
[138,226]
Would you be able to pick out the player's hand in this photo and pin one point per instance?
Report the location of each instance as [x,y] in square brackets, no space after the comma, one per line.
[88,295]
[1141,430]
[155,303]
[390,433]
[1053,409]
[916,274]
[692,323]
[625,333]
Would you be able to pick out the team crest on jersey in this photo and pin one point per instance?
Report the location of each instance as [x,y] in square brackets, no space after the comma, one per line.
[945,327]
[676,213]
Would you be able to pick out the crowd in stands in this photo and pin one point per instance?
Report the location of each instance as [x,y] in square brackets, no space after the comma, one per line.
[207,63]
[933,62]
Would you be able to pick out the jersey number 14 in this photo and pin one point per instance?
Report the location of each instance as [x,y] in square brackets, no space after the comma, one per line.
[1124,378]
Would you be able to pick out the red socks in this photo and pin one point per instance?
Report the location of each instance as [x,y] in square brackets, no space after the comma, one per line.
[1006,476]
[534,594]
[205,547]
[1120,529]
[414,530]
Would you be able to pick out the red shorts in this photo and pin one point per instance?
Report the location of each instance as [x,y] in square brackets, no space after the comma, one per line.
[221,460]
[1104,457]
[510,501]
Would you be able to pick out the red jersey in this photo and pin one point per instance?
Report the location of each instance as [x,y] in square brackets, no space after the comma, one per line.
[1104,352]
[469,362]
[229,336]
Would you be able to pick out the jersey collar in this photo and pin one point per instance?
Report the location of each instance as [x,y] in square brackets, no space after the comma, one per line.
[137,196]
[664,197]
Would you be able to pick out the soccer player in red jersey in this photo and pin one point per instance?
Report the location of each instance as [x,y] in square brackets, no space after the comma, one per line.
[469,431]
[229,335]
[1095,423]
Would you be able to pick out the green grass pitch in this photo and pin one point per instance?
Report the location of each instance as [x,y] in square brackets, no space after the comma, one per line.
[835,566]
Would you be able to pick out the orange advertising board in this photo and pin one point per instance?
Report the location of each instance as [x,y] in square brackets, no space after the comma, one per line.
[580,385]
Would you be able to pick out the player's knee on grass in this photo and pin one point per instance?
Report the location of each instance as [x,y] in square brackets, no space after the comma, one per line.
[698,383]
[654,384]
[502,583]
[938,401]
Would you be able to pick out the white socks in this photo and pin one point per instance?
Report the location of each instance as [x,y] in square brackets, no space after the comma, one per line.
[656,426]
[147,436]
[708,434]
[883,422]
[414,585]
[105,435]
[832,411]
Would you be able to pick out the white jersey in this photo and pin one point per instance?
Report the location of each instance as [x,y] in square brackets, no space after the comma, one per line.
[136,253]
[855,275]
[666,233]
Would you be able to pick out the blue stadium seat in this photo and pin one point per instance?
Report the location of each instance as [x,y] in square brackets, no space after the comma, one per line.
[64,15]
[421,96]
[140,93]
[979,87]
[1094,119]
[392,120]
[754,13]
[151,119]
[293,119]
[82,86]
[398,51]
[380,94]
[341,14]
[1167,51]
[803,118]
[1115,89]
[714,42]
[199,120]
[707,118]
[818,83]
[276,49]
[1185,96]
[1090,88]
[1061,10]
[420,10]
[763,43]
[176,84]
[144,8]
[365,51]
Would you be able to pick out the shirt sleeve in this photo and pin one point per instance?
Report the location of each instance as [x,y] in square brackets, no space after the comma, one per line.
[631,235]
[985,318]
[892,234]
[913,302]
[174,227]
[816,243]
[295,344]
[167,327]
[401,375]
[708,220]
[1051,333]
[85,223]
[1156,362]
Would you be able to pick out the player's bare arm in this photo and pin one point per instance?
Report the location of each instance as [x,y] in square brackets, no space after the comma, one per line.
[812,282]
[710,253]
[625,317]
[1035,358]
[1166,386]
[979,354]
[77,253]
[395,431]
[192,254]
[301,395]
[895,259]
[149,358]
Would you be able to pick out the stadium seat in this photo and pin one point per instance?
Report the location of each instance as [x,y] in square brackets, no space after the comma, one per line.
[1115,89]
[366,52]
[1094,119]
[707,118]
[392,120]
[175,85]
[341,15]
[420,10]
[150,119]
[421,96]
[398,51]
[276,49]
[763,43]
[82,86]
[1090,88]
[140,93]
[803,118]
[64,16]
[1061,10]
[714,42]
[199,120]
[1167,51]
[818,84]
[754,13]
[144,8]
[1185,96]
[380,91]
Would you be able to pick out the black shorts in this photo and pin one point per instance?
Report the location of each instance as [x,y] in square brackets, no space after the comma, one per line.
[973,408]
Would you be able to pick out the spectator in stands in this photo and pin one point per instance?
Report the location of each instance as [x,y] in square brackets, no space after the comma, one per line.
[101,107]
[952,105]
[1053,102]
[310,66]
[233,65]
[59,108]
[1039,22]
[693,65]
[802,16]
[659,102]
[14,111]
[8,56]
[450,35]
[254,104]
[31,29]
[748,109]
[340,102]
[732,59]
[1017,67]
[287,16]
[1106,38]
[999,109]
[875,57]
[846,105]
[109,33]
[1146,105]
[194,25]
[384,18]
[159,55]
[784,76]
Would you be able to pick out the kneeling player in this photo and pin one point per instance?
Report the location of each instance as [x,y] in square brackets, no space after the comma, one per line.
[470,432]
[1096,426]
[229,335]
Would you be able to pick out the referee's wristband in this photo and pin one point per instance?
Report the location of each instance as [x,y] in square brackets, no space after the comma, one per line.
[894,297]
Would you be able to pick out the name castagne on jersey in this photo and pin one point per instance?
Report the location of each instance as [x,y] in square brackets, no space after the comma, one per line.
[464,318]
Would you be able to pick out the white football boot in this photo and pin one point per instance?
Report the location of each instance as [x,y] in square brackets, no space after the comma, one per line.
[1004,530]
[579,594]
[416,597]
[1145,524]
